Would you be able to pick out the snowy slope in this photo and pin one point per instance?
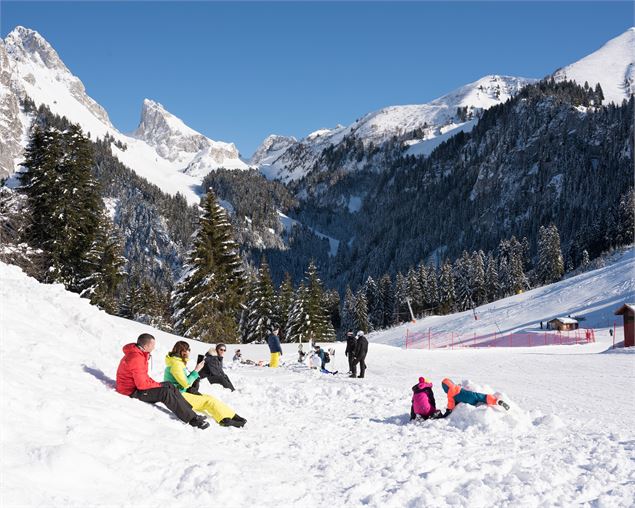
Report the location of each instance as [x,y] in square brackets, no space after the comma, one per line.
[594,295]
[438,119]
[163,150]
[68,439]
[613,66]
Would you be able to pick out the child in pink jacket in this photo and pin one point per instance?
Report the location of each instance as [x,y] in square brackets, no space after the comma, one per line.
[423,403]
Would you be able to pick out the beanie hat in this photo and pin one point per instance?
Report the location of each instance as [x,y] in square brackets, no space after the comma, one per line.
[360,333]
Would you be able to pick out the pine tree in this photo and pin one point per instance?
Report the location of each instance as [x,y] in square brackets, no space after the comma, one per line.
[585,259]
[297,328]
[319,326]
[64,199]
[462,283]
[106,267]
[332,300]
[348,310]
[433,289]
[550,261]
[261,306]
[447,295]
[401,311]
[208,297]
[374,303]
[284,302]
[309,318]
[492,285]
[388,297]
[414,292]
[361,312]
[477,278]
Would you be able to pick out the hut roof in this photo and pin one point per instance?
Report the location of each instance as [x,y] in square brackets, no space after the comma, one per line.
[565,320]
[624,308]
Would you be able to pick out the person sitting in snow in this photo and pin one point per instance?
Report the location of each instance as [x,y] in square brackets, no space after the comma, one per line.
[177,374]
[133,380]
[457,394]
[238,357]
[423,403]
[324,358]
[301,353]
[213,369]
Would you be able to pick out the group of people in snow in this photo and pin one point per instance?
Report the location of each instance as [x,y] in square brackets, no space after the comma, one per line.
[180,393]
[179,389]
[356,350]
[424,406]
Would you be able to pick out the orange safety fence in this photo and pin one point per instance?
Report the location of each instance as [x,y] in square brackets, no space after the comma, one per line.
[453,340]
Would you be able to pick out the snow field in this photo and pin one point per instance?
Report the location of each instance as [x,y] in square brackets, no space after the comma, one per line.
[312,439]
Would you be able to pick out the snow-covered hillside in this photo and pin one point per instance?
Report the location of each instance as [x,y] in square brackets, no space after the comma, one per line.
[613,66]
[164,150]
[593,295]
[68,439]
[438,120]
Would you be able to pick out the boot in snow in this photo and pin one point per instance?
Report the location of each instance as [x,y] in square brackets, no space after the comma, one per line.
[199,422]
[504,404]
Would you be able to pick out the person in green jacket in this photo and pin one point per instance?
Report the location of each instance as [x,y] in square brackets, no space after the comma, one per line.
[176,372]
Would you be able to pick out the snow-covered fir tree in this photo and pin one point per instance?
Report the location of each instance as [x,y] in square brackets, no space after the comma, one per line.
[297,328]
[432,289]
[388,297]
[550,262]
[64,201]
[284,302]
[463,283]
[374,303]
[492,285]
[414,291]
[348,310]
[260,306]
[477,278]
[401,311]
[207,299]
[107,267]
[319,325]
[447,294]
[361,312]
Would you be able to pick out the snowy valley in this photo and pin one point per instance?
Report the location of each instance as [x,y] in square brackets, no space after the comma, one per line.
[70,440]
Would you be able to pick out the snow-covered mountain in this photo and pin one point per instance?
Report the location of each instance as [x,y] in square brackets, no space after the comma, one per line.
[426,125]
[163,149]
[178,143]
[613,66]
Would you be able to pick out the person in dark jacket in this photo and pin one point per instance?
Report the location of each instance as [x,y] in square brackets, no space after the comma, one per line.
[133,380]
[361,349]
[213,369]
[274,347]
[350,350]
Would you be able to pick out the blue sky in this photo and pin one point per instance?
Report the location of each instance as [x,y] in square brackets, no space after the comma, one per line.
[240,71]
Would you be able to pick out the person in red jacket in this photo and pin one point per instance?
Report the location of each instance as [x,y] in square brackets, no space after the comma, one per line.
[133,380]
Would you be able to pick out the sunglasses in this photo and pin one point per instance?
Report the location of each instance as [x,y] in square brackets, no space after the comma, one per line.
[222,349]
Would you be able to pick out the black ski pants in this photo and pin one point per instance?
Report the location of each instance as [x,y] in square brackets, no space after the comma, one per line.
[171,397]
[362,366]
[351,362]
[221,380]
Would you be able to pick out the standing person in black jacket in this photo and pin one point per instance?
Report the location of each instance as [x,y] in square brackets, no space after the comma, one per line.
[350,351]
[213,369]
[361,348]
